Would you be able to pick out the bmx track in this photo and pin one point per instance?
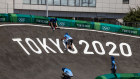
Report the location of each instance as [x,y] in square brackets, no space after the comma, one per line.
[16,63]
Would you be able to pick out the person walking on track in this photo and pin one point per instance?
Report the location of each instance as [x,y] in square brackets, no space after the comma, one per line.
[113,67]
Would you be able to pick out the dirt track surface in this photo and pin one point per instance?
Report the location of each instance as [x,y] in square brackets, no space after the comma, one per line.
[16,64]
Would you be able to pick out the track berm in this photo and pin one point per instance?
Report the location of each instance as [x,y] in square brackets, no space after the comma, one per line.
[15,63]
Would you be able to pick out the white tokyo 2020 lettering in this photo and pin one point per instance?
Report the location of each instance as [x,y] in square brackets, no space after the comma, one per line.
[113,49]
[86,48]
[95,48]
[56,43]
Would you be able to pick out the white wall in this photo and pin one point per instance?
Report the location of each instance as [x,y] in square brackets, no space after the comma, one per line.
[6,6]
[105,6]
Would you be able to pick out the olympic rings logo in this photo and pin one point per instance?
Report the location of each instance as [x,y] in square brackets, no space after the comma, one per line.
[62,23]
[105,28]
[21,19]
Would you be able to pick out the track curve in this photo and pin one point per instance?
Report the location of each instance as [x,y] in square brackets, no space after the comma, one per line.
[15,63]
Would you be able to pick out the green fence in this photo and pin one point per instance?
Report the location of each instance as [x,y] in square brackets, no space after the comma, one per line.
[116,28]
[110,27]
[96,26]
[129,30]
[84,24]
[20,18]
[66,22]
[106,27]
[138,31]
[40,19]
[120,76]
[4,18]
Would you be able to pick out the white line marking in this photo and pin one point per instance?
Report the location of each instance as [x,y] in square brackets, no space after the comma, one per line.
[71,29]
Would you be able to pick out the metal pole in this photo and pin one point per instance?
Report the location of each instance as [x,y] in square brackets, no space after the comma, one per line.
[7,8]
[13,4]
[46,8]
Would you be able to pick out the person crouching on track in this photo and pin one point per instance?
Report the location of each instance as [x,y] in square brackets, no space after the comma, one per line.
[53,23]
[67,73]
[114,67]
[68,41]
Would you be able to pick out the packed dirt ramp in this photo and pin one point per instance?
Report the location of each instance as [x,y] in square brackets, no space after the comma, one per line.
[15,63]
